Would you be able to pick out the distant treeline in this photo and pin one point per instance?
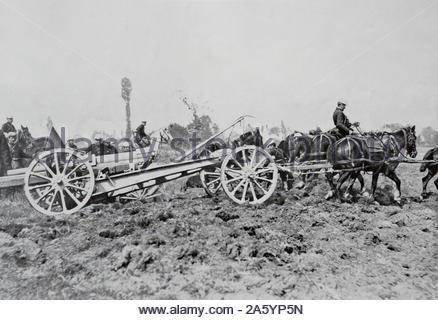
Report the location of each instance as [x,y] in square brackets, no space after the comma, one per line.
[203,126]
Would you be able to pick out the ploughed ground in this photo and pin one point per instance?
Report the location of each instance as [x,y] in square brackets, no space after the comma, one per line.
[188,246]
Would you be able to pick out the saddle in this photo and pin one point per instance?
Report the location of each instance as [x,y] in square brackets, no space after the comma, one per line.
[336,133]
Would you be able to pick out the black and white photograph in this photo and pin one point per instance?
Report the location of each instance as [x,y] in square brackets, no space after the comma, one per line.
[167,150]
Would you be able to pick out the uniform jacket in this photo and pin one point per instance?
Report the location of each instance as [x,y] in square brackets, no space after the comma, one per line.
[140,131]
[341,121]
[8,127]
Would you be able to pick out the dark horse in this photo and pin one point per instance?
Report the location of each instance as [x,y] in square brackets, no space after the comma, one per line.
[377,153]
[251,137]
[432,168]
[247,138]
[21,149]
[302,148]
[26,147]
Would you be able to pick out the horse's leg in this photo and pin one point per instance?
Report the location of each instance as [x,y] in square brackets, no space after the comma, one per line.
[343,177]
[283,179]
[436,183]
[329,176]
[397,195]
[361,181]
[287,180]
[426,180]
[349,190]
[302,181]
[374,183]
[300,155]
[290,180]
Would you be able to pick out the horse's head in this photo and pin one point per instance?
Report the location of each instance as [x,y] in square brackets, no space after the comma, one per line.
[240,141]
[25,136]
[411,141]
[246,135]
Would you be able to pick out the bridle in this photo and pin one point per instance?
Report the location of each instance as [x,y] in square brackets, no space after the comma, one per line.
[407,139]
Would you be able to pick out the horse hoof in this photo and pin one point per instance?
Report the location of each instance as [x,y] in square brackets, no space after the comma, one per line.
[329,195]
[300,185]
[366,194]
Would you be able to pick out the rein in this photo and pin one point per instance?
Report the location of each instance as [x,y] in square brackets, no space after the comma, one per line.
[396,144]
[393,141]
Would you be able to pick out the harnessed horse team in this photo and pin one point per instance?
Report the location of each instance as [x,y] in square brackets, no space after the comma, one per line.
[348,153]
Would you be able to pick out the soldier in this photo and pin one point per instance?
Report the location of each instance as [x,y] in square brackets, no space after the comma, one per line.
[141,138]
[8,127]
[18,155]
[71,144]
[341,121]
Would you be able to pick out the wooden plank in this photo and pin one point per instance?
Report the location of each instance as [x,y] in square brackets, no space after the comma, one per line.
[15,172]
[155,174]
[299,167]
[15,181]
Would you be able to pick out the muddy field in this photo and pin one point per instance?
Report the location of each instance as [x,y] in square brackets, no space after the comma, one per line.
[188,246]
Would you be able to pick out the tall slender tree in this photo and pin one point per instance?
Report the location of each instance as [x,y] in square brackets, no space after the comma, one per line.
[126,95]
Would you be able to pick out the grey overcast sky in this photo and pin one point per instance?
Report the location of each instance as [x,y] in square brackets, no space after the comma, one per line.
[277,60]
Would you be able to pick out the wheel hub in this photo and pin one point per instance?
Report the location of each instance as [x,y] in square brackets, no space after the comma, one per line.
[59,182]
[248,173]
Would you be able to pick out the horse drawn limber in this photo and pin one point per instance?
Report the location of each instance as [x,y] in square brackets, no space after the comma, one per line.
[62,181]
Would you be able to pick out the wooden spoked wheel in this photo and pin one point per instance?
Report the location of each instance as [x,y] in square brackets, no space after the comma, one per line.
[141,194]
[211,180]
[249,175]
[59,182]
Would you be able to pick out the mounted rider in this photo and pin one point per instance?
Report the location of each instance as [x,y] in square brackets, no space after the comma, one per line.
[341,121]
[141,138]
[17,153]
[8,127]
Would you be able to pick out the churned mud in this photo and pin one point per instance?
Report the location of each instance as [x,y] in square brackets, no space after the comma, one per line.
[298,246]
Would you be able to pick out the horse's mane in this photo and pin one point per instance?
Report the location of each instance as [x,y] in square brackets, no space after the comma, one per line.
[381,134]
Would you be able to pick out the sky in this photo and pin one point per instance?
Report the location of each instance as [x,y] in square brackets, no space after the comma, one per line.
[276,60]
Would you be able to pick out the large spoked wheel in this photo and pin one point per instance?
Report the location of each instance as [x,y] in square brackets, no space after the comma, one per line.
[141,194]
[249,175]
[59,182]
[211,180]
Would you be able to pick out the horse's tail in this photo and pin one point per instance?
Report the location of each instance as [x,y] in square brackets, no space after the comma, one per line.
[330,153]
[282,145]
